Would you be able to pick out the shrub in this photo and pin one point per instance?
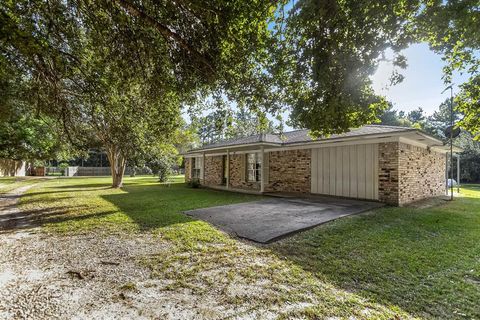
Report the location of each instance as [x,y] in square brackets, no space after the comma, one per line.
[194,183]
[63,166]
[163,173]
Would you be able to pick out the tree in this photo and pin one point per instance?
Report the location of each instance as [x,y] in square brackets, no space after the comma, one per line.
[330,54]
[416,116]
[392,117]
[468,102]
[328,50]
[440,120]
[224,124]
[452,29]
[24,137]
[119,70]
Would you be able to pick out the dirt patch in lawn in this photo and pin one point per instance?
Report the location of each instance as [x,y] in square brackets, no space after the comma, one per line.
[91,276]
[151,275]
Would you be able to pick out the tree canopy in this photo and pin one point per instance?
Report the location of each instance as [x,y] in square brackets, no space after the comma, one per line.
[119,73]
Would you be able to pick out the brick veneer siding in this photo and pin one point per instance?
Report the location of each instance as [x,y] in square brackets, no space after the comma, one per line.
[188,169]
[409,173]
[289,171]
[388,185]
[421,173]
[237,177]
[214,170]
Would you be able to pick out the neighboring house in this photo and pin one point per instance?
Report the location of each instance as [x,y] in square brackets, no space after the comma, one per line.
[12,168]
[395,165]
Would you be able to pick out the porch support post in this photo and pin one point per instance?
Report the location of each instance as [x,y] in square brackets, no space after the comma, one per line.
[458,173]
[262,178]
[228,169]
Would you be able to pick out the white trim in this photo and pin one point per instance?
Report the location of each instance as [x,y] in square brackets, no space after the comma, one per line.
[413,142]
[228,169]
[333,143]
[262,170]
[255,144]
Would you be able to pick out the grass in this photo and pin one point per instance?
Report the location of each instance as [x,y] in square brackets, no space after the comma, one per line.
[8,184]
[426,261]
[392,262]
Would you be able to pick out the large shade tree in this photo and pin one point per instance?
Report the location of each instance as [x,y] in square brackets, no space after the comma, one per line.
[118,71]
[328,50]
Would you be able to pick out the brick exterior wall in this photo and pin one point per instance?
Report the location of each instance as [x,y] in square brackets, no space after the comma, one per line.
[289,171]
[188,169]
[214,170]
[388,185]
[421,173]
[237,173]
[409,173]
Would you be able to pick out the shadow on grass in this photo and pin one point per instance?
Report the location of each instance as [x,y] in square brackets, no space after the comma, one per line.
[424,261]
[31,219]
[157,206]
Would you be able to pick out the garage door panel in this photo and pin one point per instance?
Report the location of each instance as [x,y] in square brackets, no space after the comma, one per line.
[320,171]
[325,171]
[369,171]
[338,171]
[361,171]
[332,171]
[348,171]
[314,175]
[353,171]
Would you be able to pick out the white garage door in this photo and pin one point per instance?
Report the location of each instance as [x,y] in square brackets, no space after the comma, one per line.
[346,171]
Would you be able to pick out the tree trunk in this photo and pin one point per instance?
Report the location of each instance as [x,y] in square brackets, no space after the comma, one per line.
[117,165]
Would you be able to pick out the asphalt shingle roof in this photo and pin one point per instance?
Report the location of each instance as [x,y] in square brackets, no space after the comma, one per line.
[299,136]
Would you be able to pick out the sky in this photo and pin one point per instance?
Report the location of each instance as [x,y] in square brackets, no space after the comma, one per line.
[423,82]
[422,86]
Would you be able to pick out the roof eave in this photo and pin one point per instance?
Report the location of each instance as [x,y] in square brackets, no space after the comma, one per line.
[235,146]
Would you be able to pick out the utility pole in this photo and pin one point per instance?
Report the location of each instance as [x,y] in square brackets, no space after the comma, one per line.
[451,138]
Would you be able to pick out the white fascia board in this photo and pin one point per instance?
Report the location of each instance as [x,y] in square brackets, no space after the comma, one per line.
[253,145]
[338,142]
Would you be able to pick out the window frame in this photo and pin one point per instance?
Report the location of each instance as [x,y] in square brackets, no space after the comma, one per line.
[196,167]
[253,167]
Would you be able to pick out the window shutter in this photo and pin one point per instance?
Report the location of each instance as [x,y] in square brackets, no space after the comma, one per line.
[243,167]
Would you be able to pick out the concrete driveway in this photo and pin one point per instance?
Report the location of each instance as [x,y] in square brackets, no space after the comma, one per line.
[274,218]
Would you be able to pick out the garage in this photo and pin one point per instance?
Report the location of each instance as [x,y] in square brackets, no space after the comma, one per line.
[346,171]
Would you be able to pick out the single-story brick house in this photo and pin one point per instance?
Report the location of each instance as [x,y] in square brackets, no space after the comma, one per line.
[395,165]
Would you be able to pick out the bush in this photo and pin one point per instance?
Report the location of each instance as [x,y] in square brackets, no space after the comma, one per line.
[163,173]
[194,183]
[63,166]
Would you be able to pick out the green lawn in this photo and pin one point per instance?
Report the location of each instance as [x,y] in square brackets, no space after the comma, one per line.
[392,262]
[8,184]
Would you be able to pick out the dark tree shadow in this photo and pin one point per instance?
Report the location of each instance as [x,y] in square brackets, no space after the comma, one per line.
[424,261]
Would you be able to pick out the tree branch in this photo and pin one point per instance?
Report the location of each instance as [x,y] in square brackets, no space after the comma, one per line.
[164,31]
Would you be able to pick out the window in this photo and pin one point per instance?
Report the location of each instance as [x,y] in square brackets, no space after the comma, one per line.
[196,165]
[254,166]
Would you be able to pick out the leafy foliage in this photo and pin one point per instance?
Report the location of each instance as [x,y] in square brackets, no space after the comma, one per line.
[331,52]
[224,124]
[117,72]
